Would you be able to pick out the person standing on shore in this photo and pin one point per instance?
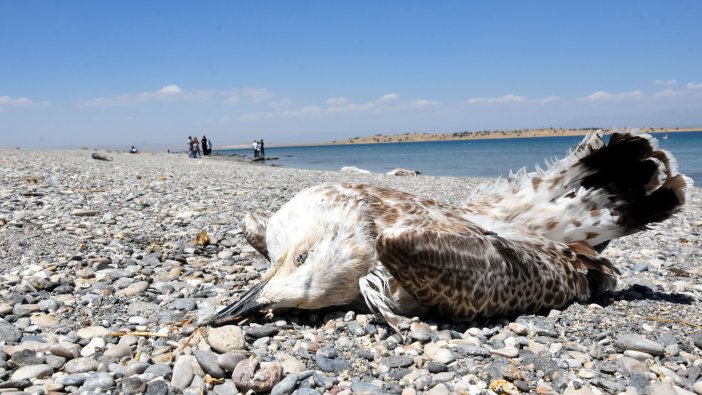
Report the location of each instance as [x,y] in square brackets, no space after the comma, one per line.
[191,151]
[255,149]
[204,145]
[196,146]
[209,147]
[260,147]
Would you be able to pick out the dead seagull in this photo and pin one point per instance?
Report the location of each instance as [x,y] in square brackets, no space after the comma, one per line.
[518,246]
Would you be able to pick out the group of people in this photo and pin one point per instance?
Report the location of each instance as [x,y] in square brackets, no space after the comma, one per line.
[194,146]
[258,150]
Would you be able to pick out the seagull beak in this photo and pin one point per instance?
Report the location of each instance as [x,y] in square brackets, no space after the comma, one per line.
[247,305]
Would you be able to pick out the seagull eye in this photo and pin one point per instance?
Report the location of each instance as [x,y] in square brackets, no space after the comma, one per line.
[301,258]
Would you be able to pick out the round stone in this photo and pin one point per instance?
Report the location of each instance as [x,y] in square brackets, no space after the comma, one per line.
[226,338]
[92,332]
[640,343]
[9,333]
[80,365]
[259,377]
[208,362]
[182,372]
[32,372]
[99,380]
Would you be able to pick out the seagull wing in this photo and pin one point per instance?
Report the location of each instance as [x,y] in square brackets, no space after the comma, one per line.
[255,231]
[464,276]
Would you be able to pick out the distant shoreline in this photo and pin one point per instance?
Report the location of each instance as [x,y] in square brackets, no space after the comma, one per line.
[487,135]
[457,136]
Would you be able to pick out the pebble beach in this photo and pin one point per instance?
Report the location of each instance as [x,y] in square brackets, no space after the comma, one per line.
[108,267]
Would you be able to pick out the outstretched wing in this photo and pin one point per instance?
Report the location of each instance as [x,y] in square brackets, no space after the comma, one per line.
[255,231]
[482,275]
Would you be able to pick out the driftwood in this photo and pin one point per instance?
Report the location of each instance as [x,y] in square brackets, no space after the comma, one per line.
[263,159]
[97,156]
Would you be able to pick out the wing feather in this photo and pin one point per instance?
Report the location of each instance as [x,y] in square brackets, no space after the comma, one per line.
[255,231]
[468,276]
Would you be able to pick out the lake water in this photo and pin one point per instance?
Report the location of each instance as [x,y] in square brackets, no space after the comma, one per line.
[475,158]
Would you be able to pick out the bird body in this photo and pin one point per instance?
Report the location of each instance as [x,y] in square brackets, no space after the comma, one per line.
[517,246]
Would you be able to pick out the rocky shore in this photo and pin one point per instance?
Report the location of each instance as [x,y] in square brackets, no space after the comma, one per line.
[107,267]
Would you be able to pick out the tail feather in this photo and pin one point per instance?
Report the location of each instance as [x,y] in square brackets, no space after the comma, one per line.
[598,192]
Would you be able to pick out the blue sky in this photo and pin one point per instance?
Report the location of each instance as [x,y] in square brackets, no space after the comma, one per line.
[87,73]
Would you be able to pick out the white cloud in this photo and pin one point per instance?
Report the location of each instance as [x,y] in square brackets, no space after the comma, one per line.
[257,95]
[168,93]
[309,110]
[669,93]
[693,86]
[509,98]
[388,97]
[9,101]
[337,102]
[665,82]
[607,96]
[232,100]
[421,103]
[170,90]
[547,99]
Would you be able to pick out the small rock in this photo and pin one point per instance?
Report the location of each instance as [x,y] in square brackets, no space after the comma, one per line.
[697,339]
[32,372]
[208,362]
[27,357]
[285,386]
[118,351]
[360,387]
[640,343]
[182,372]
[92,331]
[72,379]
[160,370]
[229,360]
[398,361]
[80,365]
[251,375]
[8,332]
[157,387]
[100,380]
[133,385]
[328,359]
[260,331]
[226,338]
[509,352]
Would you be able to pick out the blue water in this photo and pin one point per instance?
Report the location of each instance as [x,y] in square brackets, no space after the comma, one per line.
[476,158]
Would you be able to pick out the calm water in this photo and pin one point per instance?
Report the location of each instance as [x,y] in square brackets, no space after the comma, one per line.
[477,158]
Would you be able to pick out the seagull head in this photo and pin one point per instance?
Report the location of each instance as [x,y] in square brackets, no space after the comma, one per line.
[317,259]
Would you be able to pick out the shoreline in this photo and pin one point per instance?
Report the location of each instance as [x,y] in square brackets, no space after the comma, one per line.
[459,136]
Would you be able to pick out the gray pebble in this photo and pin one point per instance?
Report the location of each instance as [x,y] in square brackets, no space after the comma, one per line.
[259,331]
[32,372]
[8,332]
[328,359]
[73,379]
[157,387]
[208,362]
[229,360]
[286,385]
[397,361]
[133,385]
[639,343]
[98,380]
[80,365]
[182,372]
[160,370]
